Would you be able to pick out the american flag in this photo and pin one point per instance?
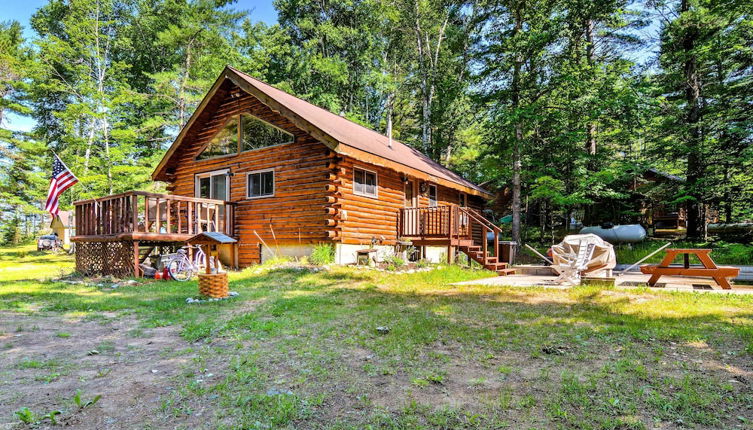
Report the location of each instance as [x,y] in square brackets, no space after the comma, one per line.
[61,180]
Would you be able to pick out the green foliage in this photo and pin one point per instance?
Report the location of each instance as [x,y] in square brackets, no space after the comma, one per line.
[570,90]
[393,261]
[322,254]
[722,252]
[27,416]
[83,404]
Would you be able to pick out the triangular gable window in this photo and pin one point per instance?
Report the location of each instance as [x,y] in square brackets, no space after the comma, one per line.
[256,134]
[225,142]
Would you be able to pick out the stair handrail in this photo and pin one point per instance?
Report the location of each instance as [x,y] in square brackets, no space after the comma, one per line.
[487,225]
[480,219]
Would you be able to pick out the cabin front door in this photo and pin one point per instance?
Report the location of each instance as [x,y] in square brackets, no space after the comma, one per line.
[410,194]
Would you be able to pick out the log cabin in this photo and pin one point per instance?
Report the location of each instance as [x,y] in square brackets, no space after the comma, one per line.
[281,175]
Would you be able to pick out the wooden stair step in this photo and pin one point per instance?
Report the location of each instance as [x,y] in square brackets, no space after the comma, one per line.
[497,265]
[505,272]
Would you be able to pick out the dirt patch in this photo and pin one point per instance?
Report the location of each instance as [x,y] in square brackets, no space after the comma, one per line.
[46,359]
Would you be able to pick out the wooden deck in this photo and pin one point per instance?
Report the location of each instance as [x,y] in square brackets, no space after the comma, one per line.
[457,228]
[139,215]
[115,234]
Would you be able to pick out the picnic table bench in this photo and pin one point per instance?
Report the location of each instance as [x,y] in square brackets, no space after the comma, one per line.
[709,268]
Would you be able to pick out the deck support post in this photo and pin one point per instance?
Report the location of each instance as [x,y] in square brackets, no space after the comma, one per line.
[450,254]
[136,259]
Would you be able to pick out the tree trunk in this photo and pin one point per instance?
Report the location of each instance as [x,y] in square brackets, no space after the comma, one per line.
[591,126]
[516,152]
[389,107]
[693,114]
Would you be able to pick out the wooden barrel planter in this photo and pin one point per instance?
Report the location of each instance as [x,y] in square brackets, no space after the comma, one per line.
[213,285]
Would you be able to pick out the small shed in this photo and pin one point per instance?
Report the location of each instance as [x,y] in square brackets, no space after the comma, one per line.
[62,225]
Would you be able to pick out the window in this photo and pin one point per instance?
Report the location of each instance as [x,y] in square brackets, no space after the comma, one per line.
[462,200]
[432,195]
[260,184]
[213,185]
[225,142]
[256,134]
[253,134]
[364,183]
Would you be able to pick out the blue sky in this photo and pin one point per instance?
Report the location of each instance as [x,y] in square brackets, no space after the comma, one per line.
[22,10]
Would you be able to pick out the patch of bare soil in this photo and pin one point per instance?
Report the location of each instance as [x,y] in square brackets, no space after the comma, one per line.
[46,359]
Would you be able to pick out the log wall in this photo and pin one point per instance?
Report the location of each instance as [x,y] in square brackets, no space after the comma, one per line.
[294,215]
[369,217]
[313,201]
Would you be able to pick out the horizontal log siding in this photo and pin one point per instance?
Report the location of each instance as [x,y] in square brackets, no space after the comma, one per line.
[369,217]
[296,212]
[376,217]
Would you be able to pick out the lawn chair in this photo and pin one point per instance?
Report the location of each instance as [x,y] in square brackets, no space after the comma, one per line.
[575,264]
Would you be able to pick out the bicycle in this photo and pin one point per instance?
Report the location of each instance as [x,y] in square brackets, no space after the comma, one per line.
[181,268]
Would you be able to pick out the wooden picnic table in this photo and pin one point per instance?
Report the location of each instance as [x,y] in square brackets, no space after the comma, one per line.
[710,269]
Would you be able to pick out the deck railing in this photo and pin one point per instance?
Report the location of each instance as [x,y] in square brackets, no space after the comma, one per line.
[450,222]
[150,213]
[429,222]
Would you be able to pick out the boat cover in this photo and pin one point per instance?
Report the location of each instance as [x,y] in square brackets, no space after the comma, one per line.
[603,257]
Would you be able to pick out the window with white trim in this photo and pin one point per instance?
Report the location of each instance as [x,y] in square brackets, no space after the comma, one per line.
[213,185]
[364,183]
[432,195]
[260,184]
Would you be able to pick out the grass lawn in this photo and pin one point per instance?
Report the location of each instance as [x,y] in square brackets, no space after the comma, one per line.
[300,349]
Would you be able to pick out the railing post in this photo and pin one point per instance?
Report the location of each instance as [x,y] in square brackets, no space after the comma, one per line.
[401,214]
[146,214]
[484,239]
[158,211]
[189,223]
[199,207]
[135,212]
[450,221]
[217,217]
[178,204]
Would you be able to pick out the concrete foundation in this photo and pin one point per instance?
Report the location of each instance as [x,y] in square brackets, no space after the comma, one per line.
[293,251]
[346,253]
